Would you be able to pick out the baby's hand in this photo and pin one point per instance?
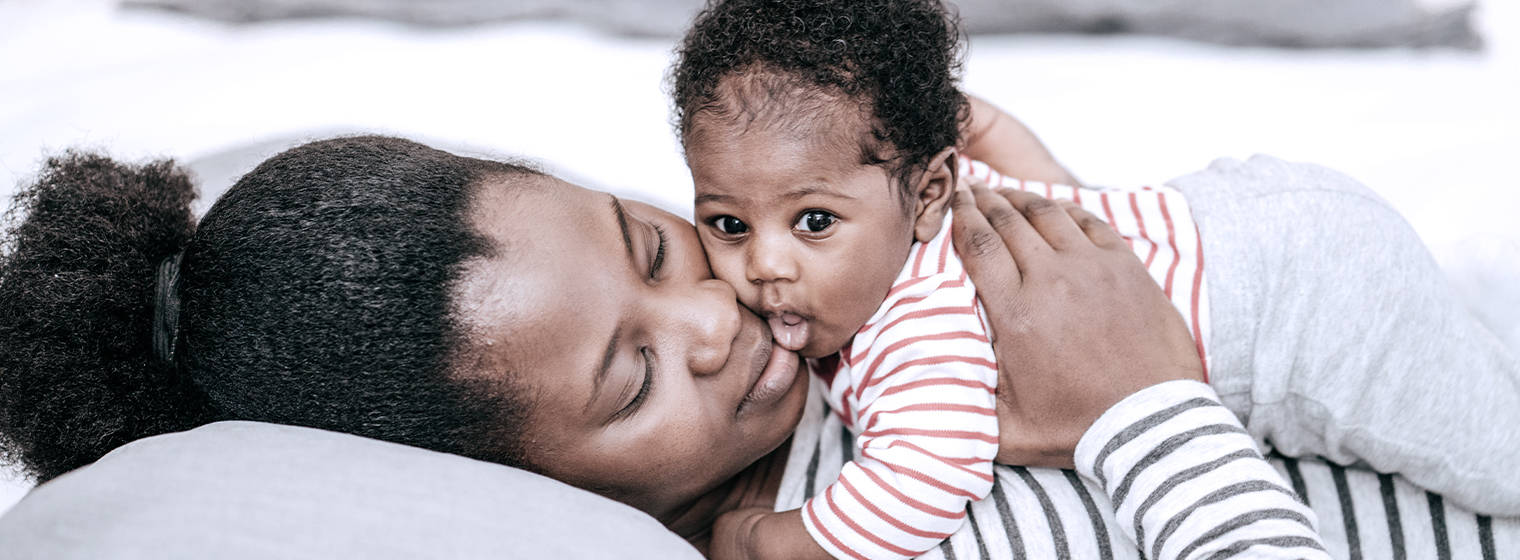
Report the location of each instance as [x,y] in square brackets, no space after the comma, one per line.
[760,534]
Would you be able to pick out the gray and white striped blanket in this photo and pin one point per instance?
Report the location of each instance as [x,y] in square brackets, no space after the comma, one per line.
[1049,513]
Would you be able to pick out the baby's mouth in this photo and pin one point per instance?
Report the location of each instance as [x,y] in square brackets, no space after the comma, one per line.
[790,331]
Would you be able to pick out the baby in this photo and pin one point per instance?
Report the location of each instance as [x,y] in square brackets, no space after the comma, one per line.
[853,266]
[836,229]
[822,138]
[831,220]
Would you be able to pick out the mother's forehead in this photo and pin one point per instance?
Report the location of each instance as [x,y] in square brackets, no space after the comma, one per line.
[541,305]
[501,203]
[548,237]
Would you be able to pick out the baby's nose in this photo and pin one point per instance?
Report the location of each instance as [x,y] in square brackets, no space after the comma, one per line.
[771,260]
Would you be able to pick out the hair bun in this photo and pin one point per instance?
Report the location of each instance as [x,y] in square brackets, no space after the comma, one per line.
[78,375]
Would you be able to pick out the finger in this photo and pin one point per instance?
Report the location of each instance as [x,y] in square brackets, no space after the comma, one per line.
[976,240]
[1024,242]
[968,180]
[1100,232]
[988,261]
[1053,223]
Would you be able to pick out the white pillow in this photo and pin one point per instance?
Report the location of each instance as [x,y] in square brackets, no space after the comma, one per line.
[246,490]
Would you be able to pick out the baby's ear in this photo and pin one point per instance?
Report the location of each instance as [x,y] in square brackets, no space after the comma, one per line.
[931,196]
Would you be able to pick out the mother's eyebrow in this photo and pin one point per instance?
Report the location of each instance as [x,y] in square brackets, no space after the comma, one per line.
[622,220]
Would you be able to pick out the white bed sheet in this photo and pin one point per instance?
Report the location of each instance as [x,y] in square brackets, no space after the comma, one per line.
[1435,132]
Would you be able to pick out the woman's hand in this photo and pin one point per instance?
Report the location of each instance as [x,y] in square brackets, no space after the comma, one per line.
[1078,324]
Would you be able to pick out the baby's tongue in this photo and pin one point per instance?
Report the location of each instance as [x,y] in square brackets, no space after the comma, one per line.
[790,331]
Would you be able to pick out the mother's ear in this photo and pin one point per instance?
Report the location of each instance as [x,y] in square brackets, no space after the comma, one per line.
[931,196]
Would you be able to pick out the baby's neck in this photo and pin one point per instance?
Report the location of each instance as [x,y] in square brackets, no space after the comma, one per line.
[755,486]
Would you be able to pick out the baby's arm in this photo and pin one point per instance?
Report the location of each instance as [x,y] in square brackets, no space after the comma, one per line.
[998,139]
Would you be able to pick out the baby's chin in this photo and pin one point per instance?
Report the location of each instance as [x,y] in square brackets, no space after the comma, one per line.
[816,354]
[822,345]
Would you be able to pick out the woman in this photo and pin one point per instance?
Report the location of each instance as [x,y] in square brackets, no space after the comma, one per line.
[377,287]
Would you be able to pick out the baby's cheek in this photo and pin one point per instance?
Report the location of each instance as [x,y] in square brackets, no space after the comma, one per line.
[749,297]
[730,269]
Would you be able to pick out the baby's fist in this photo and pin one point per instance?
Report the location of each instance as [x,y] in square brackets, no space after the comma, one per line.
[733,534]
[761,534]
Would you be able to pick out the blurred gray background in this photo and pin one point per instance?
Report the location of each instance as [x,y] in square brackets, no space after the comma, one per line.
[1287,23]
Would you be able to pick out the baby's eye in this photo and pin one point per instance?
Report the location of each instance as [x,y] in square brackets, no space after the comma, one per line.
[815,221]
[729,225]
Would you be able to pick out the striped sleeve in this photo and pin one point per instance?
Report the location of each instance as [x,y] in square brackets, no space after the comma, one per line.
[917,386]
[1186,481]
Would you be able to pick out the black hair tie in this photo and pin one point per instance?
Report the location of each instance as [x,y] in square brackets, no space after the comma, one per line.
[166,308]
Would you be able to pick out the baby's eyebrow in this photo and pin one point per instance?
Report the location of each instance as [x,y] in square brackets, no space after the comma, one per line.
[800,192]
[820,189]
[719,198]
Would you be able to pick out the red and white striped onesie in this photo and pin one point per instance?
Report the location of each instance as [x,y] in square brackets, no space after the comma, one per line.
[916,384]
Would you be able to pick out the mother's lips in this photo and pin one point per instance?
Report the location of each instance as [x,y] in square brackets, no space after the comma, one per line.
[775,379]
[790,331]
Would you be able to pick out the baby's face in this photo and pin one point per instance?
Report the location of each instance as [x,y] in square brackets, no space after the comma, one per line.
[809,237]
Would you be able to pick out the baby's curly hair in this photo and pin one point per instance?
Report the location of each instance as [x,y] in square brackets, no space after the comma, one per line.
[900,59]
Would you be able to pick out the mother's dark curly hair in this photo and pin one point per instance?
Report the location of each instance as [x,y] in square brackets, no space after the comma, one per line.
[316,292]
[898,58]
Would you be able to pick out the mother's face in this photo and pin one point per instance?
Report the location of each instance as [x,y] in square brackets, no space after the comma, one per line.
[650,384]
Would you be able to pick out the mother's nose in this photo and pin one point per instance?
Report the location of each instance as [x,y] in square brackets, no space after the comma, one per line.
[707,317]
